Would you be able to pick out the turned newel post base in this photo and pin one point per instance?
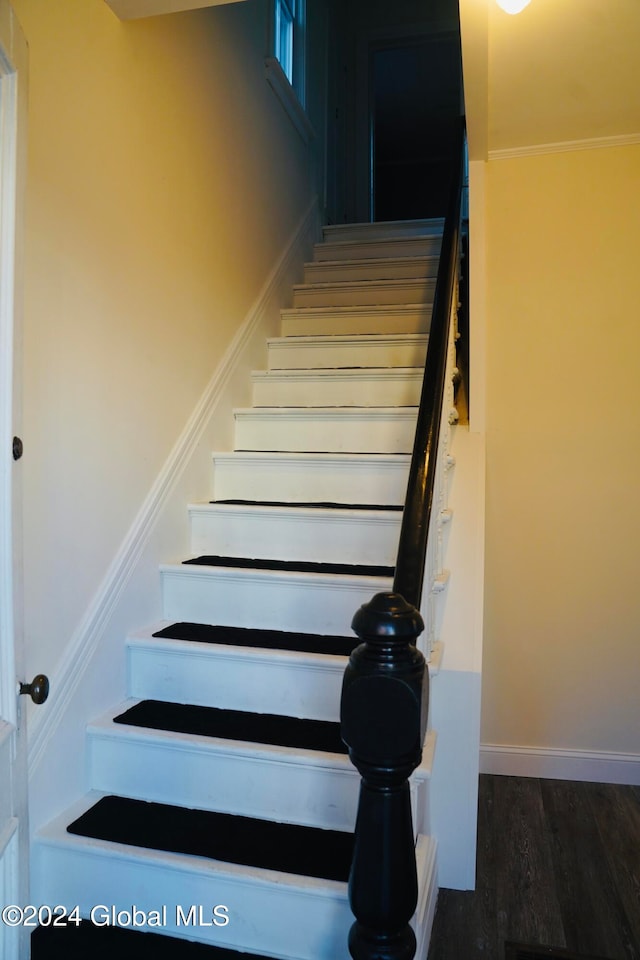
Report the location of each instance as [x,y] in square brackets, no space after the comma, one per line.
[384,713]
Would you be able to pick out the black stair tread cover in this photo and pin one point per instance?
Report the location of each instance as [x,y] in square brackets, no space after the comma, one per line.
[235,725]
[90,942]
[296,566]
[267,639]
[290,848]
[329,504]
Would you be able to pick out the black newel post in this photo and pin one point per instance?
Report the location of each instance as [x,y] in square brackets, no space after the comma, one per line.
[384,718]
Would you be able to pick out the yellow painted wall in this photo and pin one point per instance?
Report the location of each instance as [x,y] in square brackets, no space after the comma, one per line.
[164,178]
[562,628]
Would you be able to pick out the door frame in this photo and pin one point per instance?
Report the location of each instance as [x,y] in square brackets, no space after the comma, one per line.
[13,803]
[368,43]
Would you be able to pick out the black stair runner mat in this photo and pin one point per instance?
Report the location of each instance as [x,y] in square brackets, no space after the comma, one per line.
[329,504]
[235,725]
[522,951]
[90,942]
[293,566]
[290,848]
[266,639]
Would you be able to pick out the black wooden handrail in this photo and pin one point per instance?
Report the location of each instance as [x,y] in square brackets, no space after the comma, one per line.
[412,547]
[385,691]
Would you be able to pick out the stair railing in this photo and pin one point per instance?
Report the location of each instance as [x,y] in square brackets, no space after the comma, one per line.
[384,706]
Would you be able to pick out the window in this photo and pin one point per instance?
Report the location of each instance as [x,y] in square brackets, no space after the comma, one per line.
[289,42]
[285,68]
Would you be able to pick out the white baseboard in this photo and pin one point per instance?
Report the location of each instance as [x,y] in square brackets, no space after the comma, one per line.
[92,631]
[552,763]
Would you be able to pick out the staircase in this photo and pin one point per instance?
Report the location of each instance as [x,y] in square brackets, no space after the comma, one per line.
[222,801]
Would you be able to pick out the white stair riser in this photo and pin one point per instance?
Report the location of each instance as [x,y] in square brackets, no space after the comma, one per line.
[303,479]
[363,293]
[382,230]
[99,873]
[369,430]
[270,783]
[295,534]
[305,603]
[295,918]
[340,271]
[379,388]
[310,353]
[315,321]
[245,782]
[236,678]
[375,249]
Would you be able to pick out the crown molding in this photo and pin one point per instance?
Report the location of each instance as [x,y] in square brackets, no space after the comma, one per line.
[565,146]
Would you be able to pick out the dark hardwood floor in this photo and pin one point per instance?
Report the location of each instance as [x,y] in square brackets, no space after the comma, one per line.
[558,866]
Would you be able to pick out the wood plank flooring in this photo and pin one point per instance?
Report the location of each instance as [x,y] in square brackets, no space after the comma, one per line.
[558,866]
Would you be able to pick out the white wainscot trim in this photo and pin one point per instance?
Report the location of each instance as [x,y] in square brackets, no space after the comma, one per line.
[553,763]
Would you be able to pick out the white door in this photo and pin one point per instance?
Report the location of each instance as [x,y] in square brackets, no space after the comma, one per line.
[13,798]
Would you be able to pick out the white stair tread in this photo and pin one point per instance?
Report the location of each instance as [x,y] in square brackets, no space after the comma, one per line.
[320,513]
[105,726]
[375,318]
[54,834]
[340,429]
[361,292]
[323,340]
[389,284]
[289,683]
[377,247]
[347,351]
[417,261]
[337,387]
[284,532]
[74,869]
[384,229]
[371,269]
[144,640]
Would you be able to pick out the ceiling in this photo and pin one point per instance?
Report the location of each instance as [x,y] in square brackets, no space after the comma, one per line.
[560,71]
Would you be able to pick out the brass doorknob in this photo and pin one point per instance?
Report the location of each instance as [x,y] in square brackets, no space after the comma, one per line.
[38,689]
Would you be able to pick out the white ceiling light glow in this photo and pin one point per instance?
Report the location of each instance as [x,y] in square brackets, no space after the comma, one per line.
[512,6]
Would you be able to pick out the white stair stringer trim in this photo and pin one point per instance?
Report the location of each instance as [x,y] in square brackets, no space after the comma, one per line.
[70,869]
[337,535]
[80,650]
[304,477]
[269,599]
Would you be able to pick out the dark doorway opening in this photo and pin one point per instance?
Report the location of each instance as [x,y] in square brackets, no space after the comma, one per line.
[416,95]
